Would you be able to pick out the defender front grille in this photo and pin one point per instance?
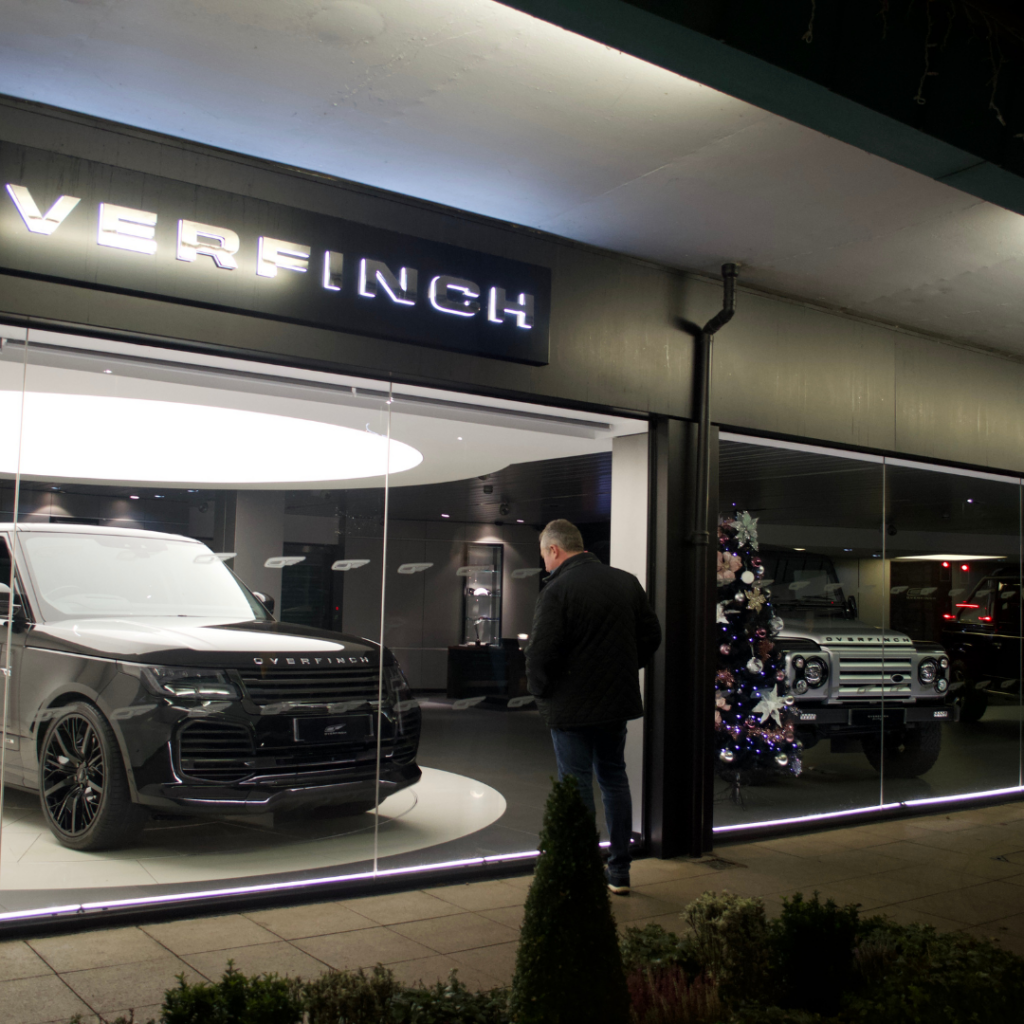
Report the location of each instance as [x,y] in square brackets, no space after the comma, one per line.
[216,751]
[307,685]
[870,674]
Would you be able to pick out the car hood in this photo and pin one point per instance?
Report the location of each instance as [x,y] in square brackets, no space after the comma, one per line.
[849,633]
[181,640]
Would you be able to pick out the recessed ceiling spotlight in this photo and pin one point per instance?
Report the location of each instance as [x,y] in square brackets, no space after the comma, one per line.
[520,520]
[157,495]
[108,371]
[458,439]
[444,515]
[134,497]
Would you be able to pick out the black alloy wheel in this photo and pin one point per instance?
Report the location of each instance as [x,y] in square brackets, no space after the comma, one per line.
[973,703]
[84,789]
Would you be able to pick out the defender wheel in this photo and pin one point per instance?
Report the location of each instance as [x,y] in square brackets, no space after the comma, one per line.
[907,753]
[973,703]
[83,785]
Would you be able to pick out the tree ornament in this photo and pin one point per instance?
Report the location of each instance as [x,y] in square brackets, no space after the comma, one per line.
[747,577]
[789,699]
[746,530]
[726,756]
[756,599]
[782,759]
[776,625]
[780,676]
[725,649]
[760,632]
[728,563]
[755,665]
[771,706]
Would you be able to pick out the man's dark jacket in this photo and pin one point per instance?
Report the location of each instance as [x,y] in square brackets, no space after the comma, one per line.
[592,631]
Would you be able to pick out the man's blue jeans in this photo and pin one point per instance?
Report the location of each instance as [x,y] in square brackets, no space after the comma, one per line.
[601,749]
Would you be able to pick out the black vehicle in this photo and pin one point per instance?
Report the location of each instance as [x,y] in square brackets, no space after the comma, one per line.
[146,677]
[983,637]
[859,686]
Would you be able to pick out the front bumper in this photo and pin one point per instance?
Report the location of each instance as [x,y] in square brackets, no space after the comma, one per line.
[283,794]
[871,717]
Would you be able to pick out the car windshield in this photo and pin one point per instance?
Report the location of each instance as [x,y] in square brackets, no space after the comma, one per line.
[99,575]
[803,582]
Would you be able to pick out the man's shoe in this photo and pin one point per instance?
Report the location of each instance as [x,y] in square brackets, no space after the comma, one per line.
[618,890]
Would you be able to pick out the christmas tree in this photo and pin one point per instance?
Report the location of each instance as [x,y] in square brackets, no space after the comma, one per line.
[753,722]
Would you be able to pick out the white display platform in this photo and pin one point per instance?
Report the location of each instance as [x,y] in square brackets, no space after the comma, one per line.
[439,808]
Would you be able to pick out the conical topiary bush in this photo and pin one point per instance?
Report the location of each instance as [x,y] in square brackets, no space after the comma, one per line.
[568,967]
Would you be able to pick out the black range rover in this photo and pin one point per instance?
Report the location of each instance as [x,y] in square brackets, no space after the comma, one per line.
[146,677]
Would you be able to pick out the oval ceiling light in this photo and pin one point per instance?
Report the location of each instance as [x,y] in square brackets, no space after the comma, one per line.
[137,440]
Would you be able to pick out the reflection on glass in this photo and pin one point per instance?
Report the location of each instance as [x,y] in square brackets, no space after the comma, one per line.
[197,676]
[821,551]
[954,587]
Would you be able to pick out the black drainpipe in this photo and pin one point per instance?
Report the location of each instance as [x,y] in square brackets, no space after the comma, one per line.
[702,586]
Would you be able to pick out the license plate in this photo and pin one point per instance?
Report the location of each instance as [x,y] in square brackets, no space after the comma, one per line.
[341,730]
[879,718]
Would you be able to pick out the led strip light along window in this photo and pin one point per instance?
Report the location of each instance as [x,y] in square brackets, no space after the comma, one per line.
[269,887]
[868,811]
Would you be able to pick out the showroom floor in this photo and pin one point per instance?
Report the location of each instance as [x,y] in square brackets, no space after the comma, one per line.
[963,869]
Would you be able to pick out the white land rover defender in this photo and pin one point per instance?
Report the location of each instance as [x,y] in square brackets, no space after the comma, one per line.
[859,686]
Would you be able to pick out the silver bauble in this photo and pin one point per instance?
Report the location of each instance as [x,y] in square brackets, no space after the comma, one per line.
[754,665]
[789,699]
[777,625]
[782,760]
[727,756]
[747,577]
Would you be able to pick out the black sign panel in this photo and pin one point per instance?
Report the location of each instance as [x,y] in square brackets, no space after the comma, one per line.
[119,230]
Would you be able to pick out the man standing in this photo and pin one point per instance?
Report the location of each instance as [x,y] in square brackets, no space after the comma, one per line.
[593,630]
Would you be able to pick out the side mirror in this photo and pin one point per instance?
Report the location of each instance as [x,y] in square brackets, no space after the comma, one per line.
[851,607]
[6,611]
[264,599]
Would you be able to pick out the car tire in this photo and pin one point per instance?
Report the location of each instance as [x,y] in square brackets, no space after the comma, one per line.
[905,753]
[83,786]
[973,703]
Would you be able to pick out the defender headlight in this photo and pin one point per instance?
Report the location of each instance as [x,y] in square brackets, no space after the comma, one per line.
[800,686]
[941,685]
[944,664]
[187,683]
[815,672]
[798,663]
[928,671]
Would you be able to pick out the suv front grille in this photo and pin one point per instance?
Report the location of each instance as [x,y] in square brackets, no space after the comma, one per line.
[870,674]
[311,685]
[227,752]
[216,751]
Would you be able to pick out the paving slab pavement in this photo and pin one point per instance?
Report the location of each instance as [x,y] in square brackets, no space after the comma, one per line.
[961,869]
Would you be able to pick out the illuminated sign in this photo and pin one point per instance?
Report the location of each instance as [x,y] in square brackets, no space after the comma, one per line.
[122,231]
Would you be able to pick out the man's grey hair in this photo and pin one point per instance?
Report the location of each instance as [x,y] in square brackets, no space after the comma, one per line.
[564,534]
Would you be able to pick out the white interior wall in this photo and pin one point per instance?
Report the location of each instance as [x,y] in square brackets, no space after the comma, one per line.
[259,535]
[629,552]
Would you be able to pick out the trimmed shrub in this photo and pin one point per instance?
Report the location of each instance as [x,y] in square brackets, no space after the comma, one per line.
[568,966]
[449,1003]
[653,947]
[340,997]
[732,942]
[910,973]
[823,934]
[235,999]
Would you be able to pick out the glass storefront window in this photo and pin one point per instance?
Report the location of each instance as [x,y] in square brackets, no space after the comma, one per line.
[265,625]
[900,584]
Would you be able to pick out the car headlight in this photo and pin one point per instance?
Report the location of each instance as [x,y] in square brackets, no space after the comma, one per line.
[944,664]
[815,672]
[941,685]
[798,663]
[800,686]
[188,683]
[928,671]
